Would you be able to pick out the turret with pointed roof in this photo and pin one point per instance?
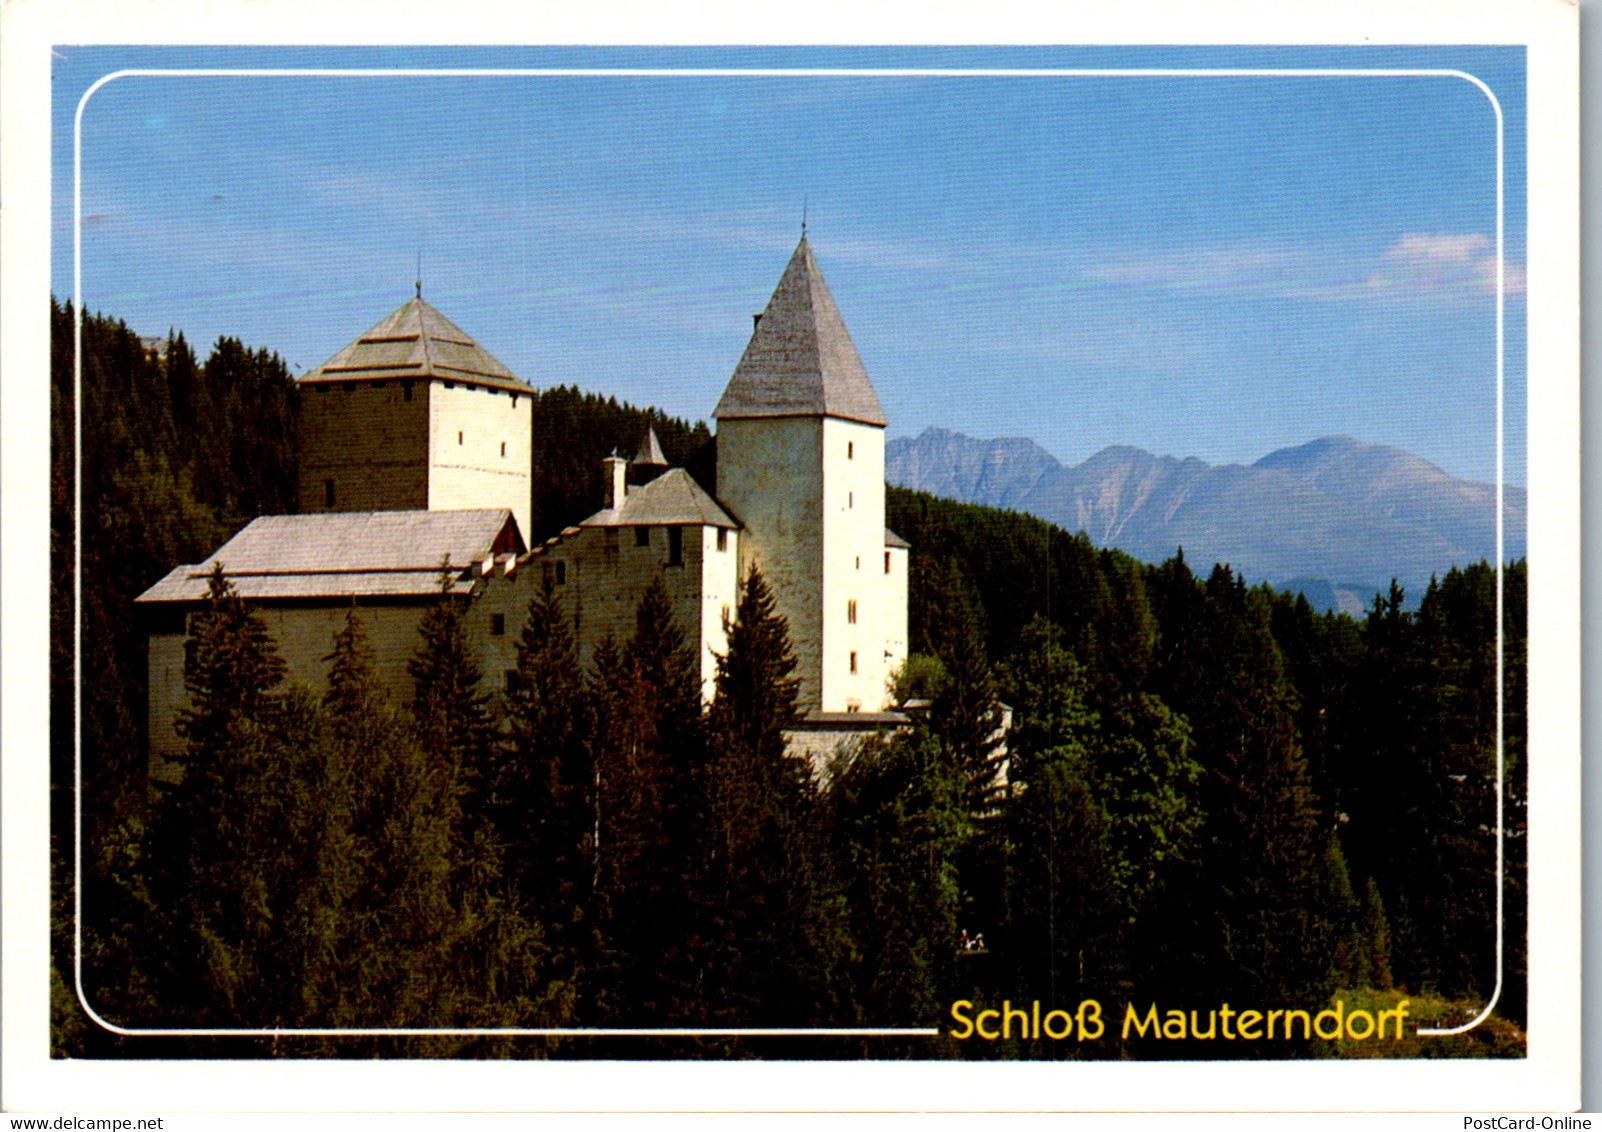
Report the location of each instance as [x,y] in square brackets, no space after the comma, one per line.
[801,466]
[650,453]
[415,415]
[649,462]
[800,360]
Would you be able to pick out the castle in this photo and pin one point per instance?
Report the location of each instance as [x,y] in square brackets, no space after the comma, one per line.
[416,452]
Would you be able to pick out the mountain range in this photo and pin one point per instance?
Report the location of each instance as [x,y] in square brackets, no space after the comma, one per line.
[1335,518]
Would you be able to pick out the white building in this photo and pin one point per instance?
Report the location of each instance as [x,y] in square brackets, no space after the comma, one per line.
[417,449]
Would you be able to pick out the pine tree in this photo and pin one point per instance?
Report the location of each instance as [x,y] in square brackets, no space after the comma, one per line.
[210,887]
[966,714]
[543,783]
[451,714]
[648,751]
[770,932]
[1376,930]
[896,814]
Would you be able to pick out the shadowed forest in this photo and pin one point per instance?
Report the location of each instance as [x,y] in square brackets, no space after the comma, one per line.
[1207,793]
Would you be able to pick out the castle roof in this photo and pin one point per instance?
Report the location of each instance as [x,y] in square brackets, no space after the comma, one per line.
[800,361]
[893,539]
[650,453]
[416,341]
[348,554]
[673,498]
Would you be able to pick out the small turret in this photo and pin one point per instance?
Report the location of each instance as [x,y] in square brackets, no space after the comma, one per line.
[648,462]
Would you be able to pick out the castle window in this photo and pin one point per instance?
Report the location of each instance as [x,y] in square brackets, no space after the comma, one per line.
[675,546]
[322,389]
[853,705]
[725,615]
[851,499]
[513,681]
[497,624]
[859,562]
[406,391]
[642,536]
[458,436]
[851,612]
[376,384]
[853,664]
[851,450]
[887,562]
[723,538]
[561,573]
[503,448]
[328,493]
[350,387]
[514,400]
[450,385]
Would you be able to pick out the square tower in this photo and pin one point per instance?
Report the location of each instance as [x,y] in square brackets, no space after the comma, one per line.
[801,466]
[415,415]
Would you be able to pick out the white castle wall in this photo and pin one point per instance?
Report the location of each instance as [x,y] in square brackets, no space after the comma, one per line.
[897,567]
[605,574]
[480,443]
[770,477]
[304,636]
[853,655]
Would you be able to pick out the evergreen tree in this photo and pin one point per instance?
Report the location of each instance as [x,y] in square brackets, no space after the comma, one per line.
[542,794]
[896,814]
[209,891]
[451,714]
[647,754]
[772,935]
[1376,932]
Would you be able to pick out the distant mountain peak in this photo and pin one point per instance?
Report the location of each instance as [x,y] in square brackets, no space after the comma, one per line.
[1335,508]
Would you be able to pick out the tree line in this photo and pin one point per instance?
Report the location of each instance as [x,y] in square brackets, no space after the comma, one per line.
[1206,791]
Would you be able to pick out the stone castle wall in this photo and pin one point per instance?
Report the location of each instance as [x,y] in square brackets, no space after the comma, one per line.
[369,440]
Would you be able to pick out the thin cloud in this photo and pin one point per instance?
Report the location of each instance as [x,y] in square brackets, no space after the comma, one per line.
[1416,266]
[1444,264]
[1439,248]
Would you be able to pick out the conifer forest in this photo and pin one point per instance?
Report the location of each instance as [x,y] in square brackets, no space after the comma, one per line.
[1205,793]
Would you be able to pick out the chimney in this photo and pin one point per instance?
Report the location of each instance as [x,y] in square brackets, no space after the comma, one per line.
[617,473]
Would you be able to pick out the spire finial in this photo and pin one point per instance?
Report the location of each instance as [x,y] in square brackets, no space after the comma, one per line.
[803,216]
[419,283]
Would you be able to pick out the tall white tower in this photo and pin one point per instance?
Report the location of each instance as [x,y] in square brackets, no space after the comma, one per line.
[801,466]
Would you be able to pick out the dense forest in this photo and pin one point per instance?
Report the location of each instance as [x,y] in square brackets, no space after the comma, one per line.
[1206,793]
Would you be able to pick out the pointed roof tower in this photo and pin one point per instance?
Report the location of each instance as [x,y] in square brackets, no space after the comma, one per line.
[800,361]
[416,341]
[650,454]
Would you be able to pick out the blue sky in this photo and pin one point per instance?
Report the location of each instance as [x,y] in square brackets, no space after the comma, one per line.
[1207,266]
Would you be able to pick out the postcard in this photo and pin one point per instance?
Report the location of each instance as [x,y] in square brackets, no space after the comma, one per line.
[1027,577]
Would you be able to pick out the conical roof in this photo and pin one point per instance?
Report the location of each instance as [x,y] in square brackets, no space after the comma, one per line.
[800,360]
[650,453]
[416,341]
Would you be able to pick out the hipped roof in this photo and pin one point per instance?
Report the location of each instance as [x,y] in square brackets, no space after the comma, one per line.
[347,554]
[800,360]
[672,499]
[416,341]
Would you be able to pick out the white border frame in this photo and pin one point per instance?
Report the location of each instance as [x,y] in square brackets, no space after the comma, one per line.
[724,72]
[1548,1079]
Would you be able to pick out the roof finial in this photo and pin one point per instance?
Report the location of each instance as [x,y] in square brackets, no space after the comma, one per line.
[419,283]
[803,216]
